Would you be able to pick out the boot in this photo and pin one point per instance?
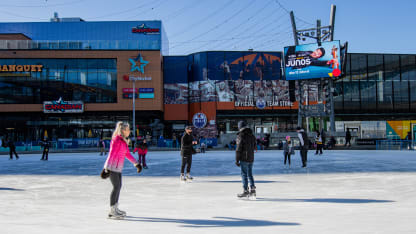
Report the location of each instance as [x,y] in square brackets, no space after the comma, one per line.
[253,191]
[113,213]
[183,177]
[244,194]
[189,177]
[123,213]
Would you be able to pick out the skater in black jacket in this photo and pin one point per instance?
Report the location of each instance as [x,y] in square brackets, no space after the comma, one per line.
[304,145]
[244,157]
[12,149]
[187,143]
[45,144]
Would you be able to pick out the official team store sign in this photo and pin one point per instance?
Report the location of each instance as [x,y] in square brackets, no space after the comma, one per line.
[62,106]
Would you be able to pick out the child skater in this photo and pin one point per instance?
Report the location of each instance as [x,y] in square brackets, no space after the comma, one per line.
[288,149]
[142,151]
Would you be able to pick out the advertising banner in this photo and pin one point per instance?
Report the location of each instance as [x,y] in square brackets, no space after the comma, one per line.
[311,61]
[62,106]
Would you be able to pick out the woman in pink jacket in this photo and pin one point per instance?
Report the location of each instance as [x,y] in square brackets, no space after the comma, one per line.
[114,165]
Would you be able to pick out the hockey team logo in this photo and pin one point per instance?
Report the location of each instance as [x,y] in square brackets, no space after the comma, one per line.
[260,103]
[199,120]
[145,30]
[62,106]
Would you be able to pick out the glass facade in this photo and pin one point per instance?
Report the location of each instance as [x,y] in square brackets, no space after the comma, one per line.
[87,80]
[377,83]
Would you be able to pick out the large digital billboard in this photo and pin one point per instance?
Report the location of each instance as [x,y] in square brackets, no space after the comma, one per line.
[312,61]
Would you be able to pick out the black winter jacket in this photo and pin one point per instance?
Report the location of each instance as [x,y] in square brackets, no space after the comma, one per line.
[186,144]
[246,144]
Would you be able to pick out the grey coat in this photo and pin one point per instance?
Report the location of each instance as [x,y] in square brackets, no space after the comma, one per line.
[287,149]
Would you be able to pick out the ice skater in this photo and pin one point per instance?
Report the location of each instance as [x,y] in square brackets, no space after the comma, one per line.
[113,166]
[101,144]
[244,158]
[187,143]
[288,149]
[348,138]
[304,143]
[319,143]
[12,149]
[141,149]
[45,144]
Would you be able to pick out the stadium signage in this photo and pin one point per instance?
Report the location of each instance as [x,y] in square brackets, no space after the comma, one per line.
[21,68]
[261,103]
[145,30]
[61,106]
[199,120]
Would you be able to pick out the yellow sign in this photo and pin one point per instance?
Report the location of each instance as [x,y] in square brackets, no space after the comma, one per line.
[21,68]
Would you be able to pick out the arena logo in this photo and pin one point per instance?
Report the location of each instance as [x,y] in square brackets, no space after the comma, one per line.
[199,120]
[62,106]
[145,30]
[21,68]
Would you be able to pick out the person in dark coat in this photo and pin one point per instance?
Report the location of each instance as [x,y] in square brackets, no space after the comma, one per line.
[323,136]
[348,137]
[45,144]
[304,145]
[12,149]
[187,142]
[244,157]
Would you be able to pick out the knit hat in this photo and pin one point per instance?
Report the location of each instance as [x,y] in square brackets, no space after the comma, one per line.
[287,138]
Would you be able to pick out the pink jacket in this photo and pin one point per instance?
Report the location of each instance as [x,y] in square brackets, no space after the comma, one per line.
[118,150]
[140,151]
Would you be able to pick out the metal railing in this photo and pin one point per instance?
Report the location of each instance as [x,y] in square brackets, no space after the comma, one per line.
[395,145]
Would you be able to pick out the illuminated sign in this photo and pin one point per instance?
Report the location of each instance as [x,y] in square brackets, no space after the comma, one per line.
[130,90]
[21,68]
[136,78]
[313,61]
[61,106]
[138,64]
[145,30]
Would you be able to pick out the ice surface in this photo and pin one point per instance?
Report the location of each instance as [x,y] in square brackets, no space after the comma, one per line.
[339,192]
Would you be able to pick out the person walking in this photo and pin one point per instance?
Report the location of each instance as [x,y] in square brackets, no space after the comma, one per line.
[244,157]
[304,143]
[323,136]
[288,149]
[101,144]
[45,144]
[319,143]
[348,137]
[12,149]
[113,167]
[187,142]
[142,151]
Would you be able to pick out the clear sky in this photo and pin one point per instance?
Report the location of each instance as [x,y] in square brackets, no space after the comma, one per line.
[370,26]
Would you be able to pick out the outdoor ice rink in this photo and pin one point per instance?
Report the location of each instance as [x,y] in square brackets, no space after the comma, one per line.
[339,192]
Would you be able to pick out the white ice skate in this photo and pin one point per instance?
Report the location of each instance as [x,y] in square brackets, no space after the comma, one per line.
[122,213]
[183,178]
[189,178]
[253,193]
[113,214]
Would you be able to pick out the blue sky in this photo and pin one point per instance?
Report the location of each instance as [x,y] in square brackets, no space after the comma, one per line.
[369,26]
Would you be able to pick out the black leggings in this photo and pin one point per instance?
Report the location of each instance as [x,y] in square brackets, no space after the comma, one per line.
[186,161]
[319,148]
[287,156]
[115,178]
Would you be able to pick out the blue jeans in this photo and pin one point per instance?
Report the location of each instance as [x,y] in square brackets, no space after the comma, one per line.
[247,174]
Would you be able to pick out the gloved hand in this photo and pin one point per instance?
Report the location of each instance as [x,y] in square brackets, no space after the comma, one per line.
[237,163]
[139,167]
[105,174]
